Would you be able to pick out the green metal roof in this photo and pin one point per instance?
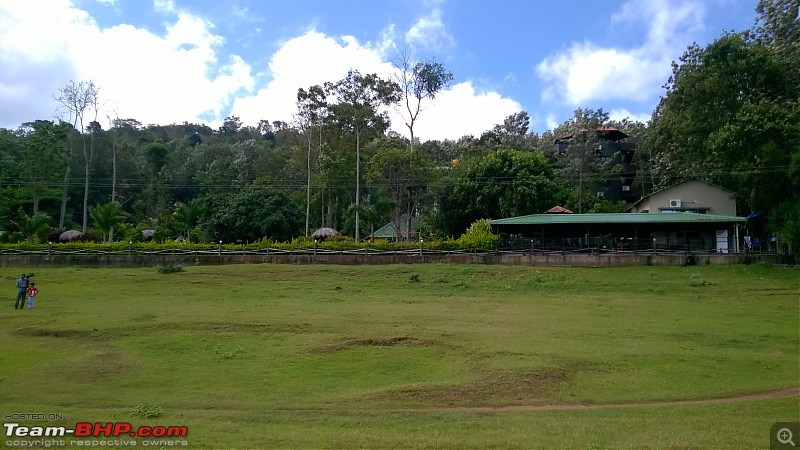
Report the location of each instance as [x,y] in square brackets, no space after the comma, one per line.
[390,231]
[612,218]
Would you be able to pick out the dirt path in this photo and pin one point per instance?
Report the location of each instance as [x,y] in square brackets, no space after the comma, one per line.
[769,395]
[764,395]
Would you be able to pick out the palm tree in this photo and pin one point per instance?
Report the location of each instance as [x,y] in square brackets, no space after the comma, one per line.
[187,215]
[33,227]
[106,217]
[374,207]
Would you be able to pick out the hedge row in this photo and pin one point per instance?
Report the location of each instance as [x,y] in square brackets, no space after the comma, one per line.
[296,244]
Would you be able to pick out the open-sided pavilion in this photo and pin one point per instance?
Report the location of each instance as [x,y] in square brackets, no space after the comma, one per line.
[680,231]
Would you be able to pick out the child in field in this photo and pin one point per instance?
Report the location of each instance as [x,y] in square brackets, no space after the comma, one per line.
[32,291]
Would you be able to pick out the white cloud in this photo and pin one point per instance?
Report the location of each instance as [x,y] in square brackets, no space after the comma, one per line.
[552,123]
[620,114]
[315,58]
[429,32]
[459,111]
[167,78]
[304,61]
[164,6]
[178,73]
[588,72]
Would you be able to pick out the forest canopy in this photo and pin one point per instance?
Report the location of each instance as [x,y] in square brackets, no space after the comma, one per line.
[729,115]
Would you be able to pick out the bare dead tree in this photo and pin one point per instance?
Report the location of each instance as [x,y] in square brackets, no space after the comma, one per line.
[75,100]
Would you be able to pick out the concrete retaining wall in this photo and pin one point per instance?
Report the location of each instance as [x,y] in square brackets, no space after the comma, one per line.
[571,260]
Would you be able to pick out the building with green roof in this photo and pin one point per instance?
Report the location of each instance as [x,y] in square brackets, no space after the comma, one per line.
[681,231]
[389,231]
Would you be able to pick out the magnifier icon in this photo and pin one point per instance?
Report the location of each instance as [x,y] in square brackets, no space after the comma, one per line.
[785,436]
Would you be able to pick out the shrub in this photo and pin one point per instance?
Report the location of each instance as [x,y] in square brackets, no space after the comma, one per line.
[479,236]
[170,269]
[147,411]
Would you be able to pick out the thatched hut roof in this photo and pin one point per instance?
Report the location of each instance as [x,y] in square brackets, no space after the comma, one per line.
[70,235]
[324,233]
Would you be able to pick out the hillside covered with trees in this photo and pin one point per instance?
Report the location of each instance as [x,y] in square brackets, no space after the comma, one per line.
[729,115]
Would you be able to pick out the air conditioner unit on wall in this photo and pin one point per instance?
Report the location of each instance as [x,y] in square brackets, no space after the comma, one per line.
[674,203]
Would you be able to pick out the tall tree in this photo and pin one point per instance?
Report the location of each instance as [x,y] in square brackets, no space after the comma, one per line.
[311,107]
[418,81]
[76,100]
[42,156]
[358,109]
[732,89]
[405,176]
[501,184]
[731,115]
[252,214]
[155,200]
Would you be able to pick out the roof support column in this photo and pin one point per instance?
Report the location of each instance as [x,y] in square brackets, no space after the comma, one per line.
[736,241]
[685,242]
[588,239]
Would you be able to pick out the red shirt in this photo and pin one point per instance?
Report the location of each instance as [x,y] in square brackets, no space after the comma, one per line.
[32,291]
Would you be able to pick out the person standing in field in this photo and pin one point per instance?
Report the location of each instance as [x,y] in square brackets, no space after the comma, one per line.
[32,291]
[22,290]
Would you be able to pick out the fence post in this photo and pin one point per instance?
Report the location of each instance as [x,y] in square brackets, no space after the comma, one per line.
[49,247]
[420,246]
[315,247]
[531,247]
[130,243]
[654,246]
[219,249]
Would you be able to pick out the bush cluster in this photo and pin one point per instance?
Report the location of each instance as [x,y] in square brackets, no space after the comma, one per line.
[478,237]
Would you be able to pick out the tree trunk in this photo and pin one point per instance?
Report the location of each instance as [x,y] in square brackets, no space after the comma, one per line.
[63,213]
[114,168]
[308,183]
[86,198]
[87,158]
[358,181]
[333,220]
[408,222]
[35,195]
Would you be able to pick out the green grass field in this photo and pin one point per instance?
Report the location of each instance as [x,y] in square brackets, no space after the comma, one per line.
[412,356]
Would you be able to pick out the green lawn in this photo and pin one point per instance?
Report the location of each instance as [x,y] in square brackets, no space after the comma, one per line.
[411,356]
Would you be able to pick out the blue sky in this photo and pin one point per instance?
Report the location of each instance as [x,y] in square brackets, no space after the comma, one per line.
[170,61]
